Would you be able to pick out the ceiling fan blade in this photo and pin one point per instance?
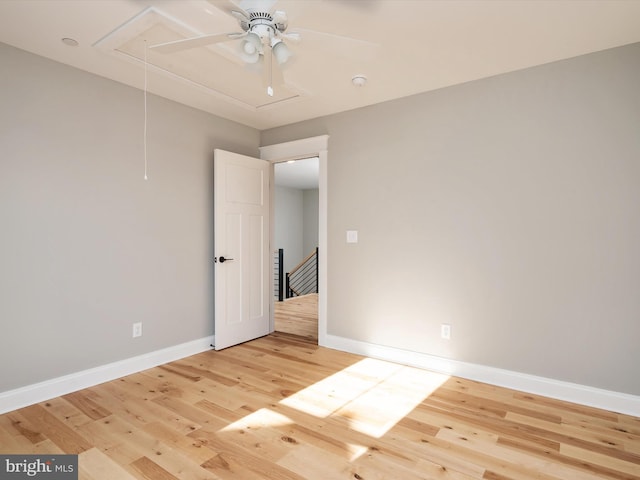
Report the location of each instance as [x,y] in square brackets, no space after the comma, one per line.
[201,41]
[230,8]
[363,5]
[348,47]
[292,37]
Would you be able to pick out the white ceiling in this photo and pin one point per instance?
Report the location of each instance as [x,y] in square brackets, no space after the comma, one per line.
[408,46]
[301,174]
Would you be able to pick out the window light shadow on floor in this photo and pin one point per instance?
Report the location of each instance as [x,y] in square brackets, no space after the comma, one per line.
[281,408]
[369,397]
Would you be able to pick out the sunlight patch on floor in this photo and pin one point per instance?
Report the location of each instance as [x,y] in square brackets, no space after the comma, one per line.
[356,451]
[377,410]
[372,395]
[325,397]
[263,418]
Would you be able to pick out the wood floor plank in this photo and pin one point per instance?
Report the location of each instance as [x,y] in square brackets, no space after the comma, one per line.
[111,436]
[129,445]
[587,456]
[499,404]
[189,447]
[237,461]
[138,410]
[607,437]
[298,316]
[84,402]
[95,465]
[198,416]
[17,424]
[525,436]
[54,429]
[310,462]
[42,448]
[151,470]
[280,407]
[66,412]
[15,443]
[561,459]
[198,372]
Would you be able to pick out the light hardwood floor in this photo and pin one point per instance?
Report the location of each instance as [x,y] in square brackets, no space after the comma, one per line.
[282,408]
[298,316]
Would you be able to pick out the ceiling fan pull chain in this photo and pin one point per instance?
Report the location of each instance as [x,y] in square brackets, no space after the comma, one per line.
[270,87]
[144,137]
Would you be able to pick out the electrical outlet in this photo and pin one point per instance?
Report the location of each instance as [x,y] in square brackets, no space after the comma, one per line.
[137,329]
[445,331]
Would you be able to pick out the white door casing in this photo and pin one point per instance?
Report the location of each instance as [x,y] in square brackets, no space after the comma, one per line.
[241,246]
[304,148]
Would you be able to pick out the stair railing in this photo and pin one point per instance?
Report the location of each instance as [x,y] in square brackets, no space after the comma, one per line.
[278,274]
[303,278]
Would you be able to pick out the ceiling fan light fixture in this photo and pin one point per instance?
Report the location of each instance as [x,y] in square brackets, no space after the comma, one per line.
[280,20]
[255,40]
[280,51]
[249,53]
[250,48]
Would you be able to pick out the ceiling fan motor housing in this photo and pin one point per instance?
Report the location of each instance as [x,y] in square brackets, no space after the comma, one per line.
[263,25]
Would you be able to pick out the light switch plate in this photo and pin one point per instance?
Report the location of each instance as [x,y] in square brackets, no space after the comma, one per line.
[352,236]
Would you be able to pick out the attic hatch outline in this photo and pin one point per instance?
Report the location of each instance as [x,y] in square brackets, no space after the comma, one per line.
[123,40]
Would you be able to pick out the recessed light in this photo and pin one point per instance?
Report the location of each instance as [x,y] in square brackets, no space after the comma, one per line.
[70,42]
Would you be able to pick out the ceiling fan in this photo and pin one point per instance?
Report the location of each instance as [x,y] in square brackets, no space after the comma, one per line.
[263,38]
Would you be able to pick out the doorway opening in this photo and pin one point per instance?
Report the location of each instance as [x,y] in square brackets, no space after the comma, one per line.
[293,150]
[296,241]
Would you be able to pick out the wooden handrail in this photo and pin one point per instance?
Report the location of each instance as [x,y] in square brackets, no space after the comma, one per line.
[297,293]
[299,266]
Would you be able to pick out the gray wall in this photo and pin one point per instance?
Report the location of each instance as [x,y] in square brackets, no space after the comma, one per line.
[289,224]
[310,220]
[87,247]
[295,223]
[508,207]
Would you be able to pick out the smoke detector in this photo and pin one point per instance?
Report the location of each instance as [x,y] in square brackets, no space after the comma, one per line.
[359,81]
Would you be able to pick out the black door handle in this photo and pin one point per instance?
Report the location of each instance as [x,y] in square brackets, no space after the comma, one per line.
[222,259]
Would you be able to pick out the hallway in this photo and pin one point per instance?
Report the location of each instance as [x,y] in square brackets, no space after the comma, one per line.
[298,316]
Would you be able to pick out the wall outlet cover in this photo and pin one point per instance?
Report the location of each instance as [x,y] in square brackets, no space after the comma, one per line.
[137,329]
[445,331]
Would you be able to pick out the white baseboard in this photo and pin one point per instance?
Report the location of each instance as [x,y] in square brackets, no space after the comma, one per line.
[570,392]
[39,392]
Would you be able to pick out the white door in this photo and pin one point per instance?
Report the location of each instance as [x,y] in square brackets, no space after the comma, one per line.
[241,246]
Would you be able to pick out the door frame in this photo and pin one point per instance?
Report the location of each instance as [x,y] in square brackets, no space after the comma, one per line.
[294,150]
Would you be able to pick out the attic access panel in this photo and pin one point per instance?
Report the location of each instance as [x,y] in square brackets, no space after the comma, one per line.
[215,68]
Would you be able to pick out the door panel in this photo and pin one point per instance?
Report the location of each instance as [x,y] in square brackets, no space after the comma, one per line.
[241,236]
[257,233]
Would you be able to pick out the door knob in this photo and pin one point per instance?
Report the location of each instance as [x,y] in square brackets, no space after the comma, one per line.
[222,259]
